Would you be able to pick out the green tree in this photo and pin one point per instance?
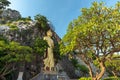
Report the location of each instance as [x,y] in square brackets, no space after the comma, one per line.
[42,22]
[56,52]
[39,49]
[113,65]
[10,54]
[40,46]
[4,4]
[95,35]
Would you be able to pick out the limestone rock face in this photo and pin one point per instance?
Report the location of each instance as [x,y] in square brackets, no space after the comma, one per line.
[10,14]
[4,29]
[20,32]
[68,68]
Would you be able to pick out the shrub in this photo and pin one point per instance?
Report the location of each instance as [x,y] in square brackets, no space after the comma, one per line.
[83,68]
[112,78]
[13,27]
[85,78]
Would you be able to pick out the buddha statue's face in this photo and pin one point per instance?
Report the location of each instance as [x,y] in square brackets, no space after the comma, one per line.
[49,33]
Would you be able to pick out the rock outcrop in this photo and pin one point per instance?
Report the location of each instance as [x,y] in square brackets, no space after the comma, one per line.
[9,15]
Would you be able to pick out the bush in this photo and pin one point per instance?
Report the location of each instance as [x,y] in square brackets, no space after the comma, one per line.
[85,78]
[83,68]
[112,78]
[78,66]
[109,78]
[13,27]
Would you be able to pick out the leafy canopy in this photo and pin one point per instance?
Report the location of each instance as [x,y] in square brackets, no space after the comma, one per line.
[4,4]
[10,54]
[95,35]
[97,31]
[40,46]
[42,22]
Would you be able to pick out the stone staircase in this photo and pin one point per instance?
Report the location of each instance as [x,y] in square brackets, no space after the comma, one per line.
[51,75]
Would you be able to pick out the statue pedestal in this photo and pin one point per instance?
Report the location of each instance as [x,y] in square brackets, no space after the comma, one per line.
[20,76]
[50,75]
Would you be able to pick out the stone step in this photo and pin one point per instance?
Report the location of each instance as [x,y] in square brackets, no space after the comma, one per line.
[20,76]
[50,75]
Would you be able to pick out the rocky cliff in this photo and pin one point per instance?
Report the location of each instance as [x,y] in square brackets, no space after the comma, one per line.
[8,15]
[23,30]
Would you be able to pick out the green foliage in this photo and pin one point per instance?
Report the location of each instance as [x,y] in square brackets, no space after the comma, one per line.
[40,46]
[96,63]
[112,78]
[25,19]
[28,18]
[78,66]
[10,54]
[109,78]
[74,62]
[113,65]
[85,78]
[41,22]
[56,51]
[13,27]
[14,52]
[95,25]
[4,3]
[3,38]
[83,68]
[22,52]
[95,33]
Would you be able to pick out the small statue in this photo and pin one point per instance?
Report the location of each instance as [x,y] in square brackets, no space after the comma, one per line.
[49,60]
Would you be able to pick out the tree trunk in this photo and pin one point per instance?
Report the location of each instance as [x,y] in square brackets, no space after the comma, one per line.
[102,66]
[90,70]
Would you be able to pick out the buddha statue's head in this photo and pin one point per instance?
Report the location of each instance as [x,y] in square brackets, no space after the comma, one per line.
[49,33]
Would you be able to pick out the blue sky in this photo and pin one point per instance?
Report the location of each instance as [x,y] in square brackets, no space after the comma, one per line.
[59,12]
